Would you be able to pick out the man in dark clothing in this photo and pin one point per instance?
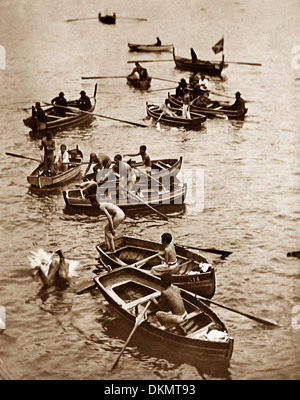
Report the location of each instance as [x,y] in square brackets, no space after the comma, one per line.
[193,54]
[39,116]
[239,103]
[84,102]
[60,101]
[158,42]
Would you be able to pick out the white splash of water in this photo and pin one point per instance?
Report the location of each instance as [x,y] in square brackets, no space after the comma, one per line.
[43,259]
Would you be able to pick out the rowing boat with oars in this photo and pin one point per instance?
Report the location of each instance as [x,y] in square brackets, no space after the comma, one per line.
[215,110]
[142,84]
[158,115]
[150,47]
[193,272]
[139,198]
[107,19]
[43,179]
[202,66]
[201,336]
[56,122]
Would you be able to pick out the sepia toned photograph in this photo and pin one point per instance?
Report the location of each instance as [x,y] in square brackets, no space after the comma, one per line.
[150,178]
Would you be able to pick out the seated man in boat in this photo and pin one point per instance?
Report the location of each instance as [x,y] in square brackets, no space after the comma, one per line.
[84,101]
[169,257]
[158,42]
[62,159]
[180,88]
[146,166]
[238,105]
[101,161]
[127,177]
[40,116]
[48,144]
[171,307]
[139,72]
[60,101]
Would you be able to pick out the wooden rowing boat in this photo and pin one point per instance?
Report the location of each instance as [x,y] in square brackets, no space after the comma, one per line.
[216,110]
[135,201]
[202,66]
[55,122]
[195,122]
[39,179]
[193,273]
[107,19]
[150,47]
[128,290]
[142,84]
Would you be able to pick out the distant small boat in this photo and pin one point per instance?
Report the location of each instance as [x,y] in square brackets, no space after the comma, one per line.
[202,66]
[150,47]
[107,19]
[142,84]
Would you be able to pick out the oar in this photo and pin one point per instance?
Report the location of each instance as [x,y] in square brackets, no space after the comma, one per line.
[229,97]
[138,322]
[163,79]
[146,204]
[20,156]
[244,63]
[100,115]
[146,61]
[210,250]
[137,19]
[258,319]
[80,19]
[103,77]
[39,161]
[158,90]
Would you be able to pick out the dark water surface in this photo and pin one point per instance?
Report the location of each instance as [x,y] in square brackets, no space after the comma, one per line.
[249,172]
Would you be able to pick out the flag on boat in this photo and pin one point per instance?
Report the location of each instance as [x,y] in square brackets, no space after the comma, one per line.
[219,46]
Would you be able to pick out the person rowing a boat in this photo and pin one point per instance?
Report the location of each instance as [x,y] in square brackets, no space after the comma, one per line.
[146,166]
[102,162]
[60,101]
[115,217]
[238,105]
[168,256]
[180,88]
[84,102]
[171,307]
[158,42]
[48,144]
[139,72]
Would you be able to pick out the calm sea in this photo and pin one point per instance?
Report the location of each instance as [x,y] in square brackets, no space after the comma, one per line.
[250,169]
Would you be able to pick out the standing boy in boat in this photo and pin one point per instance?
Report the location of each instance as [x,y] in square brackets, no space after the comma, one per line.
[115,217]
[101,161]
[169,257]
[171,302]
[48,144]
[145,158]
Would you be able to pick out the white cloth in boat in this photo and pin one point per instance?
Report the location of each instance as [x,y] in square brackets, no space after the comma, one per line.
[163,268]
